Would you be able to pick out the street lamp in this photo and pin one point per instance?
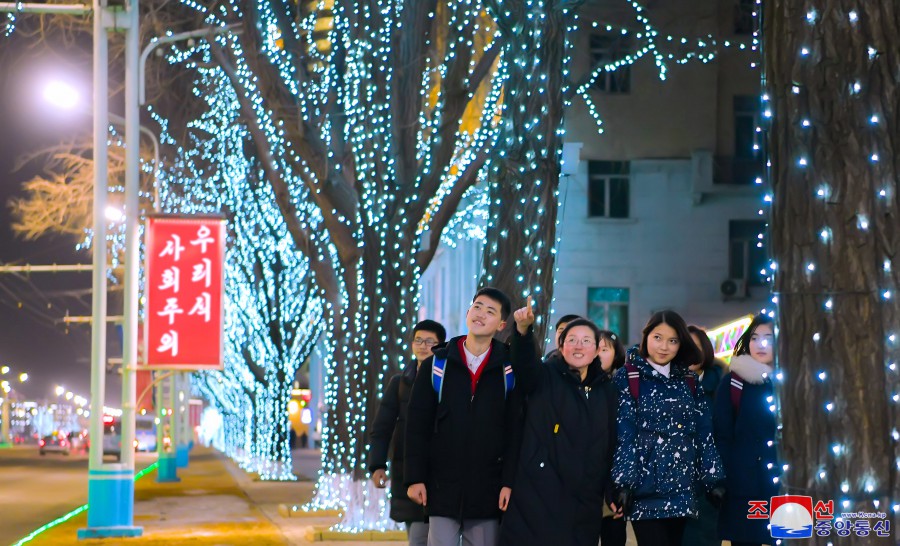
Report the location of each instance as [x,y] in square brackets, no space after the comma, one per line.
[66,97]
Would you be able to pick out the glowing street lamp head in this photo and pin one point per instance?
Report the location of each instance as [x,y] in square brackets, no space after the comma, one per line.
[23,377]
[114,214]
[60,390]
[62,95]
[4,370]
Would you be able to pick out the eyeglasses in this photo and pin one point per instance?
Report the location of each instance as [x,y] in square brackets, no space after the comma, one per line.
[425,342]
[576,342]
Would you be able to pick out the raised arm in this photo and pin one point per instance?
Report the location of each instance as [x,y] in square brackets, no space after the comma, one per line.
[525,360]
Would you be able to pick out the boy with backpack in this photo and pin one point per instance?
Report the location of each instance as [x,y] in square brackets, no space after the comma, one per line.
[389,431]
[461,431]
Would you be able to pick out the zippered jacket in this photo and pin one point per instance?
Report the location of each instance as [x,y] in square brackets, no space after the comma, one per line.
[462,448]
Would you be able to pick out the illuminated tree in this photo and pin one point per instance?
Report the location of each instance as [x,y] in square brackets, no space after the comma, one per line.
[273,316]
[832,94]
[363,140]
[519,256]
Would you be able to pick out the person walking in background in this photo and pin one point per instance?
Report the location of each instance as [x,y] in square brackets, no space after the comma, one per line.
[665,452]
[568,439]
[461,430]
[611,353]
[744,426]
[389,432]
[702,531]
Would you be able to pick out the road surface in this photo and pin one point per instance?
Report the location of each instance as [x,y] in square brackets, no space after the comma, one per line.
[35,490]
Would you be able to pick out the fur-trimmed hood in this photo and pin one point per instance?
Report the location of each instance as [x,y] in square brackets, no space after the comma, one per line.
[751,370]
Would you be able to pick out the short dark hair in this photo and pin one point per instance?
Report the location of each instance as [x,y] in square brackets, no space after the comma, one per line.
[579,322]
[565,319]
[742,347]
[688,353]
[706,346]
[618,348]
[497,295]
[432,326]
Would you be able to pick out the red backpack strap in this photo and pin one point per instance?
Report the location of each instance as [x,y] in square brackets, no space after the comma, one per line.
[692,383]
[634,380]
[737,388]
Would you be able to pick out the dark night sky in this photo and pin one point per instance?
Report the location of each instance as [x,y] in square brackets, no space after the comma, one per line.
[33,338]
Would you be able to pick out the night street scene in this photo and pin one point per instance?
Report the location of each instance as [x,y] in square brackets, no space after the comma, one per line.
[450,272]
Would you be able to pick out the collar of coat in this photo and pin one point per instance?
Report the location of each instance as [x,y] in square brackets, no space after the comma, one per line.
[751,370]
[594,375]
[450,350]
[409,372]
[676,370]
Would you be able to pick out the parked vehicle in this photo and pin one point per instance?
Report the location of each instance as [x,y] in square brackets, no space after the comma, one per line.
[57,442]
[145,433]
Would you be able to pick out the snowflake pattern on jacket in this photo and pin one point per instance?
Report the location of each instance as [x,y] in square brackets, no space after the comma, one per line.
[665,451]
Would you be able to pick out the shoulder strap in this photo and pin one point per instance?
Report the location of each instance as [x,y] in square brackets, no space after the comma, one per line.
[509,380]
[634,380]
[691,380]
[737,389]
[437,376]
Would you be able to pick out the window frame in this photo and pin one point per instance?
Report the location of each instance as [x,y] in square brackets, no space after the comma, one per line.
[609,172]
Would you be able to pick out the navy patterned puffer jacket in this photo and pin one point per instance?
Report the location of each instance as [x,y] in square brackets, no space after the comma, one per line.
[665,451]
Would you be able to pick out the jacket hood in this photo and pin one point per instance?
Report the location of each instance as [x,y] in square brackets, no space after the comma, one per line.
[751,370]
[594,375]
[634,358]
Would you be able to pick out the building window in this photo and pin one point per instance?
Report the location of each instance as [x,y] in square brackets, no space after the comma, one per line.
[608,309]
[747,163]
[608,189]
[607,49]
[746,255]
[743,16]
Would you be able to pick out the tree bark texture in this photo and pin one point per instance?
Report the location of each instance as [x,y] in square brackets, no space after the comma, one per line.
[519,253]
[832,74]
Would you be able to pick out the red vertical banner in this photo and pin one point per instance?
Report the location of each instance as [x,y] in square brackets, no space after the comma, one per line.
[185,284]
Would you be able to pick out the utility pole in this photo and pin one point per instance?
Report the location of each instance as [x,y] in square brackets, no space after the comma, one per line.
[111,486]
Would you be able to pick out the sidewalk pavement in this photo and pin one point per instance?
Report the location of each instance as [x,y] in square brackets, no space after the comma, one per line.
[217,504]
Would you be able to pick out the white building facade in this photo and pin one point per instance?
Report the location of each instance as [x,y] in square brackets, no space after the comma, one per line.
[661,209]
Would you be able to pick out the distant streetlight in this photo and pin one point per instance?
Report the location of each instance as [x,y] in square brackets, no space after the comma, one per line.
[23,377]
[66,97]
[62,95]
[60,390]
[4,370]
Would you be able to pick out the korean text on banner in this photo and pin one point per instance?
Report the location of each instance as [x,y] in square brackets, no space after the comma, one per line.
[185,292]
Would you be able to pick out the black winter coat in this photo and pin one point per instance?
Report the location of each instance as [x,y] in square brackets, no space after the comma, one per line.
[568,444]
[387,435]
[746,441]
[462,448]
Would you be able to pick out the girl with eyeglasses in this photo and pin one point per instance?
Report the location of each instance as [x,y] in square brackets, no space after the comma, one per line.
[568,439]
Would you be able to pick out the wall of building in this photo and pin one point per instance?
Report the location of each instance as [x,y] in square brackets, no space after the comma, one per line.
[670,253]
[673,249]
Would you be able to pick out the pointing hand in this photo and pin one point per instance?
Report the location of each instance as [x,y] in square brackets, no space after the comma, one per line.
[524,317]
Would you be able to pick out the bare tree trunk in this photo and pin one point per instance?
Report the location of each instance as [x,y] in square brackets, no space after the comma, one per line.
[519,255]
[832,85]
